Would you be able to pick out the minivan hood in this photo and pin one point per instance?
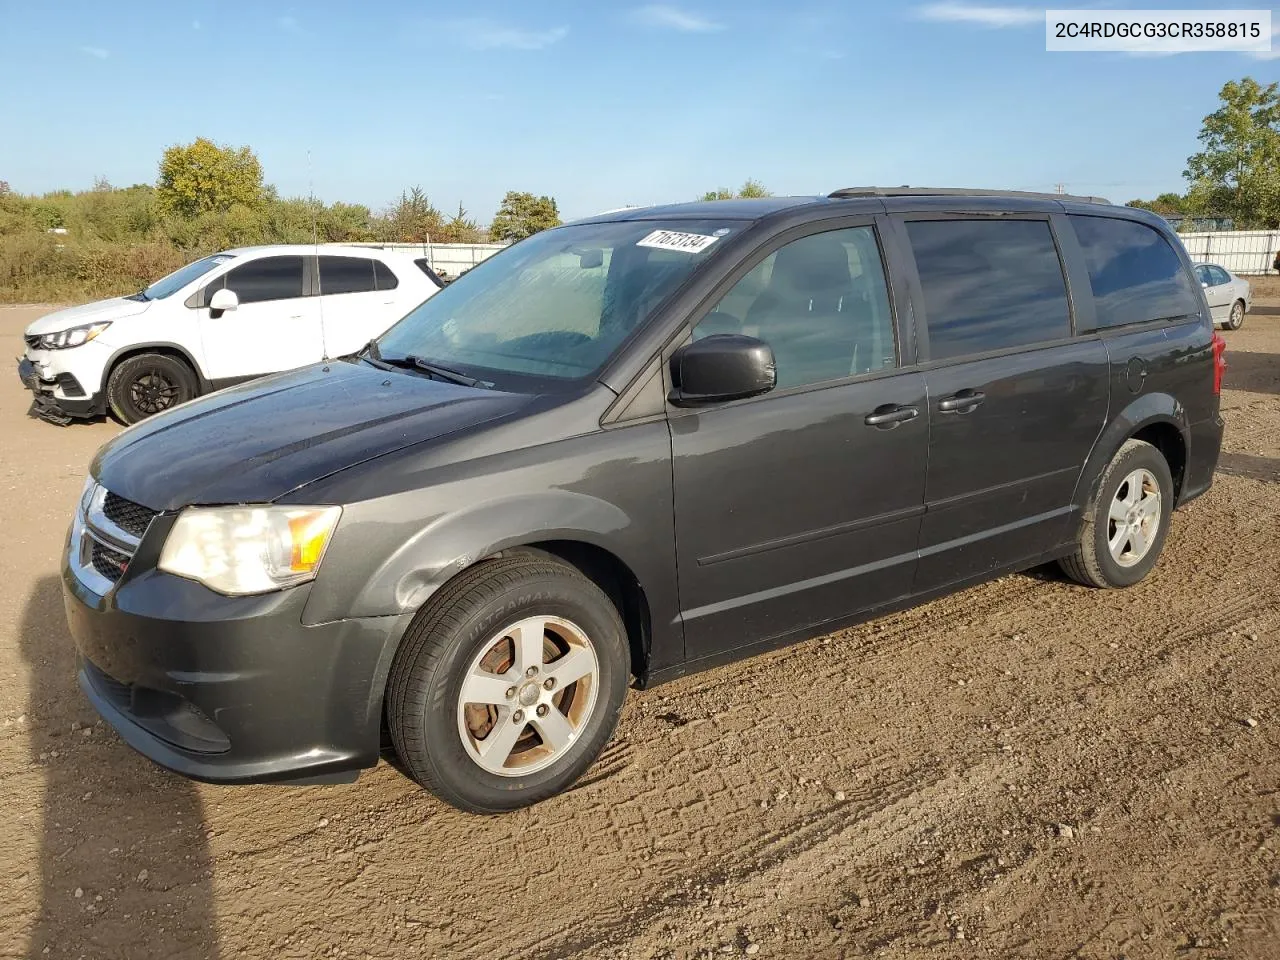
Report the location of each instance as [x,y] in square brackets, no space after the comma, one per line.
[114,309]
[256,442]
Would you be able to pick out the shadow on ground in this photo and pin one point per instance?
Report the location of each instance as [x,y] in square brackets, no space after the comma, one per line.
[125,869]
[1252,372]
[1251,466]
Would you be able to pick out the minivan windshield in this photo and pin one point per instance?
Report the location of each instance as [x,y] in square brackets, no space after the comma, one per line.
[556,306]
[166,286]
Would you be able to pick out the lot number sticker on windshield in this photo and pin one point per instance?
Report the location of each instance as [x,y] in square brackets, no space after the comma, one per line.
[683,242]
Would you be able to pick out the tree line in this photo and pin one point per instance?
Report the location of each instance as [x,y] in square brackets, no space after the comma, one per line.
[208,197]
[1235,175]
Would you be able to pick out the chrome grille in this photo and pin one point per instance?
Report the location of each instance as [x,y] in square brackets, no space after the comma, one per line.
[109,564]
[105,534]
[131,517]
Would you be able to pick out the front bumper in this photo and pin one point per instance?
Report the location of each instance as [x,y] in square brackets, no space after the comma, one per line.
[59,399]
[231,689]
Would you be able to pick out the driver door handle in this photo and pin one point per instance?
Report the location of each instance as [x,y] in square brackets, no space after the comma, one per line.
[961,402]
[889,415]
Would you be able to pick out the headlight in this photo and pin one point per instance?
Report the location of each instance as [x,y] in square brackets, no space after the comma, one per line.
[72,336]
[243,550]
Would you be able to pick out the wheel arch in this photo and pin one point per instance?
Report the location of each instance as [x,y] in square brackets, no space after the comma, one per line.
[614,578]
[1155,418]
[177,351]
[580,531]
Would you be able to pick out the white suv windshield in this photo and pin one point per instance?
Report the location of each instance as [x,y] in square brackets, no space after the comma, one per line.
[558,304]
[175,281]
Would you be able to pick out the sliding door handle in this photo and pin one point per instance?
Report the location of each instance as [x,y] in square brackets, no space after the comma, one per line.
[962,402]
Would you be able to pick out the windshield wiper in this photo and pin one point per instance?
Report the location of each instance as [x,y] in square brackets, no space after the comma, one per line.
[140,295]
[435,370]
[369,354]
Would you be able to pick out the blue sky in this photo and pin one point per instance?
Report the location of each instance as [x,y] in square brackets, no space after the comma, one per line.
[598,104]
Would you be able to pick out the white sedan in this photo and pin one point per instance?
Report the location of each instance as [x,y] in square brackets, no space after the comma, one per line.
[1229,296]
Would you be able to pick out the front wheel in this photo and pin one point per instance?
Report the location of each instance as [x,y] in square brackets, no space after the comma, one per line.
[1126,524]
[1236,319]
[147,384]
[507,684]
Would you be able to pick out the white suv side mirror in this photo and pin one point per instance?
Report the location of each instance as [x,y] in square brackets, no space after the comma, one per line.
[223,300]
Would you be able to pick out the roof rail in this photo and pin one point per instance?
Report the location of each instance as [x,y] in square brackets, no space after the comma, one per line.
[847,193]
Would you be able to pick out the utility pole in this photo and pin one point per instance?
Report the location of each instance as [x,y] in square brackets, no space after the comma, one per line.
[1059,188]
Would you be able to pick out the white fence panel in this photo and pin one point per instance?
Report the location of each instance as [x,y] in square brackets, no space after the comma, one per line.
[450,258]
[1240,251]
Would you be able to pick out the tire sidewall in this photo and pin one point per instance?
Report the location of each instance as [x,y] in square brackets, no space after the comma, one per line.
[1232,323]
[568,598]
[124,374]
[1143,456]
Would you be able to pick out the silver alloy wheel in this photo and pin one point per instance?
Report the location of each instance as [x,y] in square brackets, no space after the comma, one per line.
[527,695]
[1134,517]
[1237,315]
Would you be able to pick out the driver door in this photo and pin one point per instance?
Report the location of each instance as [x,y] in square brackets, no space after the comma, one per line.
[275,327]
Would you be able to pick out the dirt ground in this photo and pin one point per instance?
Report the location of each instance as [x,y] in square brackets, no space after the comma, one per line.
[1026,769]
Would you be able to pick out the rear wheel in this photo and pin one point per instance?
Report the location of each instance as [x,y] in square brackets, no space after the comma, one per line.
[507,684]
[147,384]
[1236,319]
[1126,524]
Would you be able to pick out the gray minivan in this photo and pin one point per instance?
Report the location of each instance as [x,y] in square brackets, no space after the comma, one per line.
[626,449]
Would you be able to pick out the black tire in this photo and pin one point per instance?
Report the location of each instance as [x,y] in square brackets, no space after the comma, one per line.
[147,384]
[453,628]
[1236,318]
[1092,562]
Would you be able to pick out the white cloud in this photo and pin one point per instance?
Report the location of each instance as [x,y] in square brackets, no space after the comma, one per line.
[994,17]
[289,24]
[673,18]
[98,52]
[478,34]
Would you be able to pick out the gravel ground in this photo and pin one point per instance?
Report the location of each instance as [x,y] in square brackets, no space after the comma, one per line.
[1025,769]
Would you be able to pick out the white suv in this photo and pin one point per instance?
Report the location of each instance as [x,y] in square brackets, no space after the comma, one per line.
[221,320]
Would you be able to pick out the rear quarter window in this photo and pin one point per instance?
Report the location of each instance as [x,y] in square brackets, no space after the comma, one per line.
[1135,274]
[383,277]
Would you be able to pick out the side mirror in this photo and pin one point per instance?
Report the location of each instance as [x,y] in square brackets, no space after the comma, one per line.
[222,301]
[724,366]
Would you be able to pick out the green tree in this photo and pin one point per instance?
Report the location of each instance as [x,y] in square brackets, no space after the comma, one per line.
[1166,205]
[412,220]
[204,178]
[1236,174]
[461,229]
[522,215]
[749,190]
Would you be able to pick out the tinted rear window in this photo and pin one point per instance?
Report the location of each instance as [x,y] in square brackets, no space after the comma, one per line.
[1135,274]
[346,275]
[989,285]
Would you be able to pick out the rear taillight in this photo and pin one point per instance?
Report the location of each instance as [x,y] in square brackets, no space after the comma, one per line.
[1219,363]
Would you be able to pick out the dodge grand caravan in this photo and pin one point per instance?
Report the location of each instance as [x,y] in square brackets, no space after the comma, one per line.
[630,448]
